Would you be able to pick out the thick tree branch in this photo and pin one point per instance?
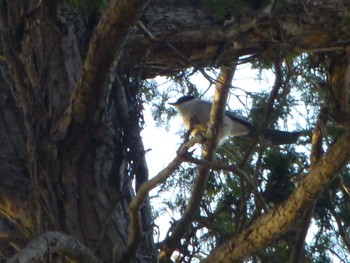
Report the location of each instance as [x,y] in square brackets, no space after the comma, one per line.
[270,226]
[54,242]
[106,45]
[216,115]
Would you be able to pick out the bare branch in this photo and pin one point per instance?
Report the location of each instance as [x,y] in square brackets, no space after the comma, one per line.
[216,115]
[54,242]
[270,226]
[203,45]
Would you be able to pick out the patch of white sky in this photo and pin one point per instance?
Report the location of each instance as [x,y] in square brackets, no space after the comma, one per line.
[162,143]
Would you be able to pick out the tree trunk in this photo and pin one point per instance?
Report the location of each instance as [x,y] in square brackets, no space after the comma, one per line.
[61,173]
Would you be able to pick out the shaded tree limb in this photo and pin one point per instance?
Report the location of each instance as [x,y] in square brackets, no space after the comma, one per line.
[54,242]
[270,226]
[214,128]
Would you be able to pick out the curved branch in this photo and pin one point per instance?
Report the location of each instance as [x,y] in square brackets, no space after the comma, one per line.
[54,242]
[106,45]
[270,226]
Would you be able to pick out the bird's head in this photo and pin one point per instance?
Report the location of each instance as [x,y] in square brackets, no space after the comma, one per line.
[182,100]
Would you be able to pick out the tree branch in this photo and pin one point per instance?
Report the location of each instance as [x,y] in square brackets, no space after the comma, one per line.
[270,226]
[136,203]
[54,242]
[216,115]
[106,45]
[203,43]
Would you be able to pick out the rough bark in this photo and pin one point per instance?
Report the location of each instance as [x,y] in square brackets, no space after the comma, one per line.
[66,173]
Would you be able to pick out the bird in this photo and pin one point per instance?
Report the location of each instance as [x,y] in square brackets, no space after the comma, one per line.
[195,114]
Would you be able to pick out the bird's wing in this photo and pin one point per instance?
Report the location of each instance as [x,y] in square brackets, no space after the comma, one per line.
[240,120]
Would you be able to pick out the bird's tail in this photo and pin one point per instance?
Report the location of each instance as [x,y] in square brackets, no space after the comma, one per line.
[277,137]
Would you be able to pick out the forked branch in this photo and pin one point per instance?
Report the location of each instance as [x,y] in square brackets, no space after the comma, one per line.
[106,45]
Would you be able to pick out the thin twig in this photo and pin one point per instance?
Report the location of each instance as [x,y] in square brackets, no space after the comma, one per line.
[234,169]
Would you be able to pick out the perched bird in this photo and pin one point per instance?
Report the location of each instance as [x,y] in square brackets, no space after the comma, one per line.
[196,113]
